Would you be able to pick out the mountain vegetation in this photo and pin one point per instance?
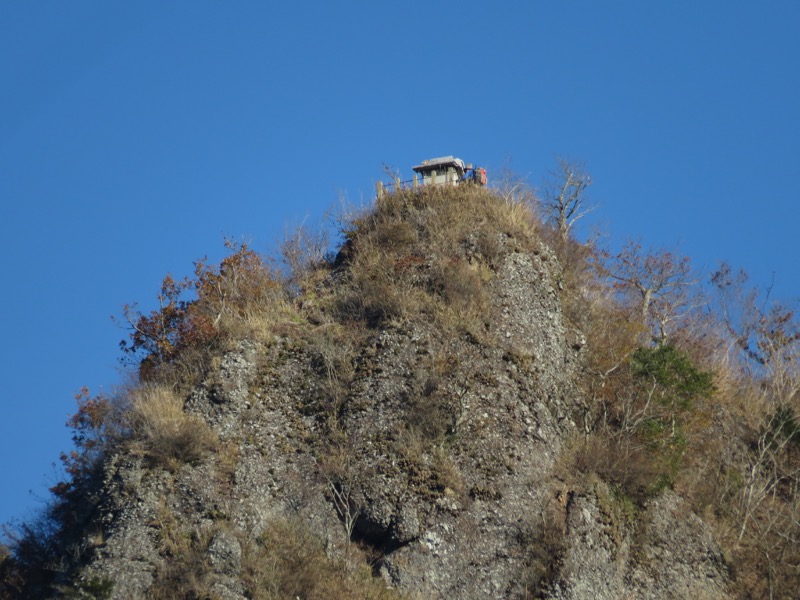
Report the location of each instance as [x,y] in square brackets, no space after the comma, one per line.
[461,400]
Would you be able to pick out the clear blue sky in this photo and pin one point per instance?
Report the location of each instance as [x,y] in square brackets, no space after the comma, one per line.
[135,136]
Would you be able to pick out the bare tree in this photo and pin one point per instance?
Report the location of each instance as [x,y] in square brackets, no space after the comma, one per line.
[304,247]
[764,351]
[514,188]
[766,333]
[660,283]
[563,200]
[344,479]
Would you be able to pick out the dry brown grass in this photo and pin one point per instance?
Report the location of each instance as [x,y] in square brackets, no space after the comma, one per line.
[429,253]
[443,215]
[734,464]
[542,539]
[623,463]
[288,561]
[185,571]
[162,431]
[243,297]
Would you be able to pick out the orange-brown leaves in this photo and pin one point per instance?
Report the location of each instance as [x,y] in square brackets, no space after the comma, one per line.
[198,313]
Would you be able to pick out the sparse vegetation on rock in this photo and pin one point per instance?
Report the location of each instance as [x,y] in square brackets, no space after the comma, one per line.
[462,401]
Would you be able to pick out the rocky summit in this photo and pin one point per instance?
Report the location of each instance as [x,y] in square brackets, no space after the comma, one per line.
[445,408]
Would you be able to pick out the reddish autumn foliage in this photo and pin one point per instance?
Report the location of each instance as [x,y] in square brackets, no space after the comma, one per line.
[90,432]
[195,312]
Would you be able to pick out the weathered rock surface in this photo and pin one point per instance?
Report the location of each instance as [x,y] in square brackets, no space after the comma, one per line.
[446,468]
[667,553]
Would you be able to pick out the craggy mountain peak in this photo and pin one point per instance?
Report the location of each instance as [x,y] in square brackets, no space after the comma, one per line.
[414,418]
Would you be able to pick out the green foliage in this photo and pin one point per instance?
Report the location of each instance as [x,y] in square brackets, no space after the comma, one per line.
[431,254]
[650,408]
[674,382]
[784,427]
[680,381]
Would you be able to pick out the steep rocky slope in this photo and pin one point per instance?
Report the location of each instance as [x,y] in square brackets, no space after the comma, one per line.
[409,428]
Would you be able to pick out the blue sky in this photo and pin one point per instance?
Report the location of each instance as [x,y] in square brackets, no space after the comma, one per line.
[135,137]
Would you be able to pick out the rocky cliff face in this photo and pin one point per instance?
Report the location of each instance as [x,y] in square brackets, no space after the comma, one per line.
[433,454]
